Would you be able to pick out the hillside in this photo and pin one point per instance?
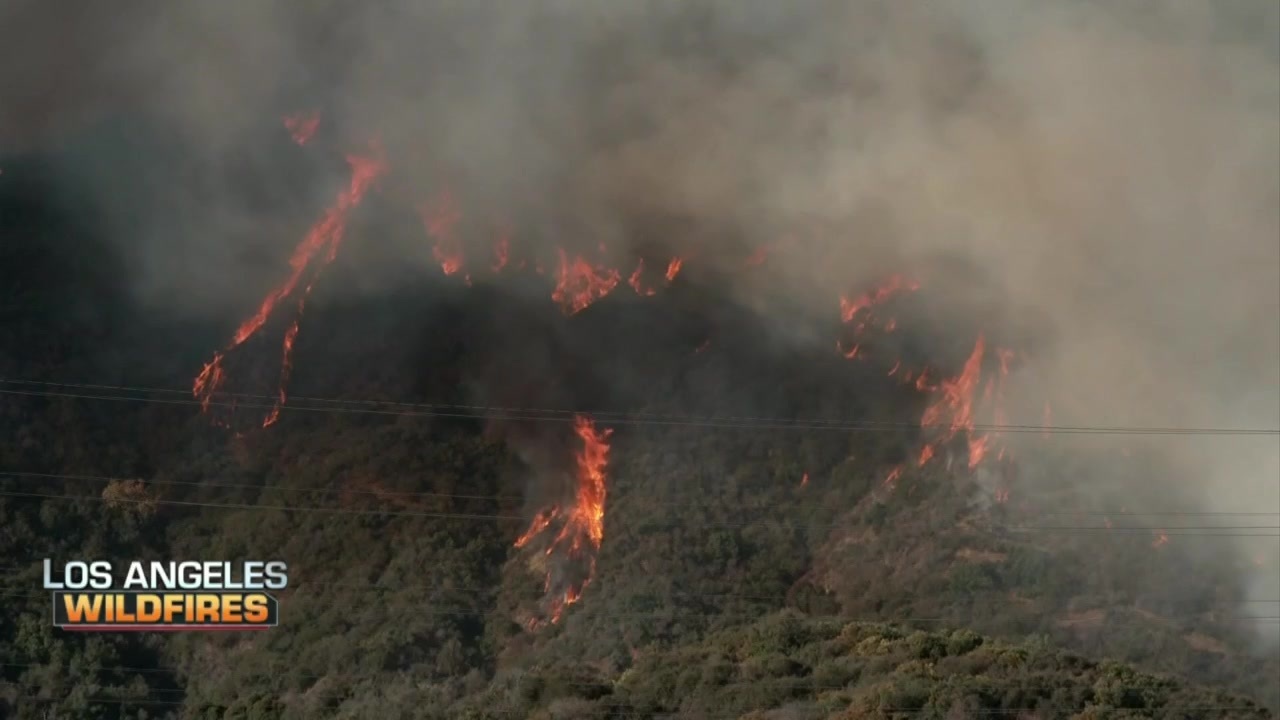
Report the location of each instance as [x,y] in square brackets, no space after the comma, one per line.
[566,489]
[788,666]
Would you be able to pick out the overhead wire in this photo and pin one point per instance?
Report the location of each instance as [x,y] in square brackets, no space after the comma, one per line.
[1198,531]
[611,416]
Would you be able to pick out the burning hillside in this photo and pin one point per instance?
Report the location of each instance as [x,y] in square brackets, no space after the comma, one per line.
[572,550]
[963,409]
[628,321]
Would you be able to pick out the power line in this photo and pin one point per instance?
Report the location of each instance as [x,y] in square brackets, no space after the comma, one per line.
[610,416]
[1199,531]
[518,498]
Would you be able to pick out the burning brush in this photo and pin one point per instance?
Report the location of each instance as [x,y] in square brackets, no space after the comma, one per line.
[581,524]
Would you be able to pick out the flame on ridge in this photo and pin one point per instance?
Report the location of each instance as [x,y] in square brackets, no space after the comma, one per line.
[636,282]
[317,249]
[859,314]
[955,402]
[441,218]
[579,283]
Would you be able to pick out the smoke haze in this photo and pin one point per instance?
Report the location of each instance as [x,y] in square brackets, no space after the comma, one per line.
[1110,172]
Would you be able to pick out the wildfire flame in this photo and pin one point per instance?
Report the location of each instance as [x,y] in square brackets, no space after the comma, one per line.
[440,218]
[302,126]
[579,283]
[859,315]
[539,523]
[892,479]
[673,268]
[895,284]
[582,525]
[955,401]
[317,249]
[953,408]
[636,280]
[286,364]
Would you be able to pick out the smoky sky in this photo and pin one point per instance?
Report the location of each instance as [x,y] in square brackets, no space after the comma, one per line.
[1110,170]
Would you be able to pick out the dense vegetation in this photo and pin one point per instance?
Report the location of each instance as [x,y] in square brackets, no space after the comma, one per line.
[724,586]
[806,668]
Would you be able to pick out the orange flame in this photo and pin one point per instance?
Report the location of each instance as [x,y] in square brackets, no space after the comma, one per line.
[440,218]
[636,283]
[804,480]
[893,476]
[325,235]
[582,529]
[286,365]
[894,285]
[956,402]
[926,454]
[540,523]
[588,512]
[317,249]
[302,126]
[673,268]
[954,408]
[579,284]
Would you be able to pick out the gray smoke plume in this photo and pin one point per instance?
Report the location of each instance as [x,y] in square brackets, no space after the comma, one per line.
[1111,168]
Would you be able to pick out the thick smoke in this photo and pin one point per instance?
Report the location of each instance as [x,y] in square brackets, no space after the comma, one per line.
[1111,171]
